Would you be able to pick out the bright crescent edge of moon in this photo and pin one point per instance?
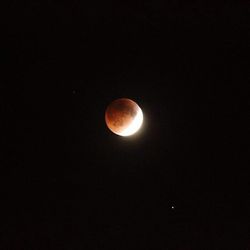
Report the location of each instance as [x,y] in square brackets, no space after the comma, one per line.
[134,126]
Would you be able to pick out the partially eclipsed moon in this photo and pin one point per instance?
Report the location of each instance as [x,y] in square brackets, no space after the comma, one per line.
[123,117]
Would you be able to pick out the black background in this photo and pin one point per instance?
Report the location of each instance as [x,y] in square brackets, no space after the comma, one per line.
[182,182]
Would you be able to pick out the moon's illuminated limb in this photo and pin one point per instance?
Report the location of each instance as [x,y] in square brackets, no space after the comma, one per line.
[134,126]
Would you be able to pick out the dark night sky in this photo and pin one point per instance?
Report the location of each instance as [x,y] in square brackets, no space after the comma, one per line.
[68,183]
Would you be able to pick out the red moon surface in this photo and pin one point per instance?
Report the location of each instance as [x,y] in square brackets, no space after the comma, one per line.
[123,117]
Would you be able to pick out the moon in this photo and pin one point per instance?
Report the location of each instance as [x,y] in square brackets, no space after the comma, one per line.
[123,117]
